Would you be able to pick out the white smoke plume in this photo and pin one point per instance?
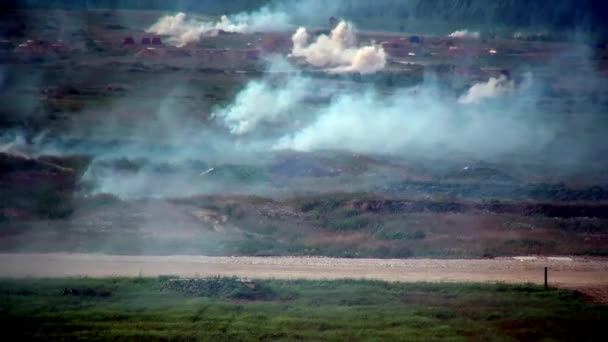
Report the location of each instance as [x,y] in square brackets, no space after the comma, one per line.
[338,51]
[414,121]
[495,87]
[262,102]
[464,34]
[183,29]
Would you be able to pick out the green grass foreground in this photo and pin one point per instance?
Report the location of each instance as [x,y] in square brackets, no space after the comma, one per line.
[225,309]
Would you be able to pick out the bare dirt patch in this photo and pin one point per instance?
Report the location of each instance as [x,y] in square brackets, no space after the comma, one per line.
[588,275]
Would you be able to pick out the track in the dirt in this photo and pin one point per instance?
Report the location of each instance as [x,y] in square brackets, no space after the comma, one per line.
[565,272]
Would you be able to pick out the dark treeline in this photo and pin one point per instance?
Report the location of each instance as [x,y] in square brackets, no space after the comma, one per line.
[583,15]
[558,13]
[587,15]
[211,6]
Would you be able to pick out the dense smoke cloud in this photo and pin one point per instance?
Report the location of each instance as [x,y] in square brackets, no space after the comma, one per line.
[262,101]
[338,51]
[184,30]
[497,117]
[465,34]
[494,87]
[420,119]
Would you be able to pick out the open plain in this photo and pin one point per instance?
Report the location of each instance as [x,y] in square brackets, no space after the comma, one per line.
[304,170]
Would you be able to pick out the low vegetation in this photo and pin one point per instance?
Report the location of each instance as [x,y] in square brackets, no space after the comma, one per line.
[334,225]
[228,309]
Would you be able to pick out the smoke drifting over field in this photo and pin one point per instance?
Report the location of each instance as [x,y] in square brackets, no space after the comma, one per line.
[488,117]
[464,34]
[495,87]
[424,118]
[421,119]
[299,133]
[338,51]
[502,116]
[183,29]
[262,102]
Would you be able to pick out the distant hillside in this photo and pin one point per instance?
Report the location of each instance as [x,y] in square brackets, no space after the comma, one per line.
[211,6]
[586,15]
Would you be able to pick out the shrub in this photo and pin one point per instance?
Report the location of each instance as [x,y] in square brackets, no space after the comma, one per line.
[324,203]
[399,235]
[218,287]
[54,205]
[353,223]
[530,243]
[101,200]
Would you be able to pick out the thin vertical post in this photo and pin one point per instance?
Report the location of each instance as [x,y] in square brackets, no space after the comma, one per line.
[546,283]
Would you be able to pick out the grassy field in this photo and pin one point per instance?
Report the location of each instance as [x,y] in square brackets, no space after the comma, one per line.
[228,309]
[336,225]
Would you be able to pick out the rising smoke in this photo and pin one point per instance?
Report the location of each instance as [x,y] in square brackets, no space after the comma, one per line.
[497,118]
[338,52]
[263,102]
[495,87]
[183,29]
[421,119]
[465,34]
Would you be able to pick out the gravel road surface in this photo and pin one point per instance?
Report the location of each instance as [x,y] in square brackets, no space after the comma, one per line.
[563,271]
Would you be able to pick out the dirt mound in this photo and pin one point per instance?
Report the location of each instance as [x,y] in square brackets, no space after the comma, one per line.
[472,173]
[16,162]
[525,209]
[394,206]
[40,187]
[597,294]
[76,163]
[302,166]
[322,164]
[87,292]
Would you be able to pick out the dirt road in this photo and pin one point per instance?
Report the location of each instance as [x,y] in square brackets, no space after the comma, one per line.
[567,272]
[588,275]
